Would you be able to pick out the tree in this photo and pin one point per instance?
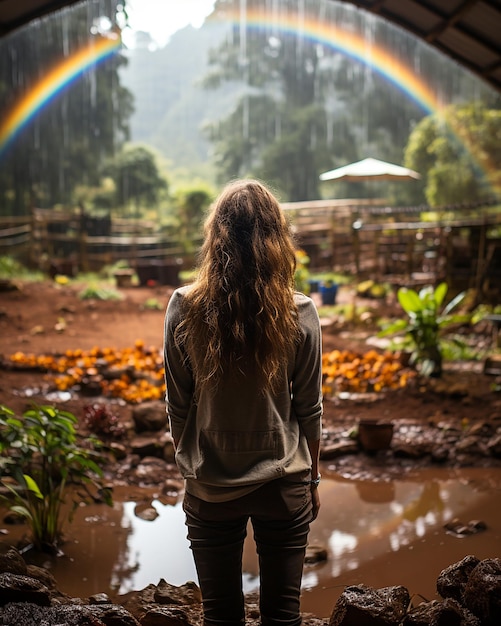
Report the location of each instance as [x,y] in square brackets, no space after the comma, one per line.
[190,206]
[65,143]
[303,107]
[454,151]
[136,177]
[278,78]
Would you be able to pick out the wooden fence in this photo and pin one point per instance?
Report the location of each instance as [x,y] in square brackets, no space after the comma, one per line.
[361,237]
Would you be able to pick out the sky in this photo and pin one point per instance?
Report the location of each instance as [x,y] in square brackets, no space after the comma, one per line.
[162,18]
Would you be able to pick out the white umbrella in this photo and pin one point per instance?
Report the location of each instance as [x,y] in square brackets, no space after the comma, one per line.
[370,169]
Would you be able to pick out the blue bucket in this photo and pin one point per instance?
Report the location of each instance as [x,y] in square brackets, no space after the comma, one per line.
[328,293]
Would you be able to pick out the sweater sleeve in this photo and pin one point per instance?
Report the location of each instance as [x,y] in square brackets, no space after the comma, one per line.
[307,378]
[178,375]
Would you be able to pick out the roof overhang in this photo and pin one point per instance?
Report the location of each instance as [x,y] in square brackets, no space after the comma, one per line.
[468,31]
[16,13]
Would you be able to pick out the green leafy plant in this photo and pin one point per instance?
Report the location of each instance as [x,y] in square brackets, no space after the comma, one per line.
[98,292]
[152,304]
[41,456]
[425,324]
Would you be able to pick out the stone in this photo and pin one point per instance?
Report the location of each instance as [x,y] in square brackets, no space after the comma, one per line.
[470,444]
[112,615]
[27,614]
[334,450]
[12,562]
[360,605]
[20,588]
[149,417]
[460,528]
[435,613]
[146,512]
[452,580]
[315,554]
[410,451]
[146,446]
[189,593]
[150,468]
[482,592]
[118,450]
[99,598]
[42,575]
[494,446]
[166,616]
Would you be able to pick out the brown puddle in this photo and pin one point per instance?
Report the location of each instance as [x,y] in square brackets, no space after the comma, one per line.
[378,534]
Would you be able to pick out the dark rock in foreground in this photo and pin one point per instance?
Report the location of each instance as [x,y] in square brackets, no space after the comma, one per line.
[471,592]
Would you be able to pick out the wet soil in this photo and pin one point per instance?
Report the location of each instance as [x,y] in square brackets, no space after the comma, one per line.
[428,416]
[47,318]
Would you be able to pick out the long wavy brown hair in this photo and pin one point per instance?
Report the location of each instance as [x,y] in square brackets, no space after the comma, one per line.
[240,314]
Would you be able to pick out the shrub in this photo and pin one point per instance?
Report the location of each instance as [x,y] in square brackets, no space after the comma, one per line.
[41,455]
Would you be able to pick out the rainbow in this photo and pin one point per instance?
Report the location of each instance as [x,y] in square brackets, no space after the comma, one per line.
[321,31]
[370,54]
[350,44]
[60,77]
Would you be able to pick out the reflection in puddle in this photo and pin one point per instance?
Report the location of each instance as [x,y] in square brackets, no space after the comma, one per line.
[375,534]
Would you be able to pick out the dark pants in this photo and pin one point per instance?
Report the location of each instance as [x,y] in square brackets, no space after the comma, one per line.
[280,513]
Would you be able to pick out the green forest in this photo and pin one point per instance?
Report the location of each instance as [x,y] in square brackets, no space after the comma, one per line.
[154,131]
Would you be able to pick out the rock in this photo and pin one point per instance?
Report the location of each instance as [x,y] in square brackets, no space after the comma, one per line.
[360,605]
[149,417]
[315,554]
[150,468]
[435,613]
[172,486]
[459,528]
[189,593]
[470,444]
[166,616]
[452,580]
[146,446]
[118,450]
[483,429]
[99,598]
[411,451]
[151,598]
[494,446]
[112,615]
[20,588]
[43,575]
[12,562]
[145,512]
[482,592]
[440,455]
[332,451]
[26,614]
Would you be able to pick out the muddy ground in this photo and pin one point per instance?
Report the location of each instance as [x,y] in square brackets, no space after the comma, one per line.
[48,318]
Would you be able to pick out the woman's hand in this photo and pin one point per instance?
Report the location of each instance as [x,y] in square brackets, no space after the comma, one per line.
[315,501]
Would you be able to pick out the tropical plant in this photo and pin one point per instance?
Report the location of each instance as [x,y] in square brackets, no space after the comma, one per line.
[425,324]
[40,457]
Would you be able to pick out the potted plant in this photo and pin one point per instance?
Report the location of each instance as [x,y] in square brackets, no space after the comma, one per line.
[425,324]
[374,435]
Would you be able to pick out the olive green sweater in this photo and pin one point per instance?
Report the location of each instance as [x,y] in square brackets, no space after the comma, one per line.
[232,441]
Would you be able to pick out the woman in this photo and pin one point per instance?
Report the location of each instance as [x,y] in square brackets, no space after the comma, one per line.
[243,372]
